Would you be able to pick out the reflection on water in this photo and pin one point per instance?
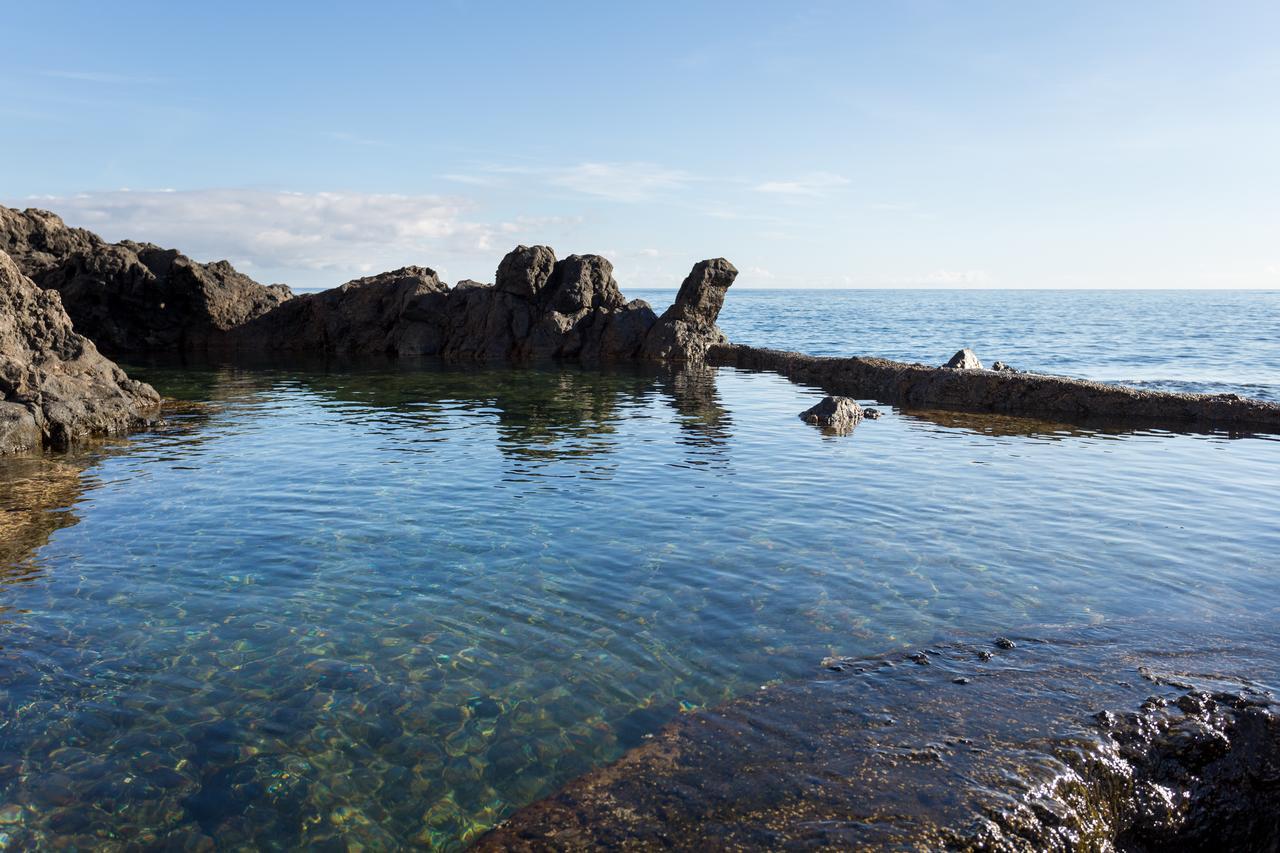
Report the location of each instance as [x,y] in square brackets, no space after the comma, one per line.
[388,603]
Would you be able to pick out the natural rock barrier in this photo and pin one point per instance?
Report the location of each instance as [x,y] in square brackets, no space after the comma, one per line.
[55,387]
[134,296]
[131,297]
[1004,391]
[1071,740]
[539,307]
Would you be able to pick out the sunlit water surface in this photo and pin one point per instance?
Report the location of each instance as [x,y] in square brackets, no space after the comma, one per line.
[1208,341]
[388,604]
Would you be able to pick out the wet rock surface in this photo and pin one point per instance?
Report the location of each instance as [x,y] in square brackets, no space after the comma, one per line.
[55,387]
[133,297]
[917,386]
[836,414]
[1073,739]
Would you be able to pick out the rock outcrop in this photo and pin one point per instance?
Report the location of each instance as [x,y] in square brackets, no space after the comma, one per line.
[538,308]
[391,312]
[837,414]
[130,297]
[133,297]
[55,387]
[687,329]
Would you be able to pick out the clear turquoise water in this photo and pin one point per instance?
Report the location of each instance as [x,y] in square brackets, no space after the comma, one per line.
[387,604]
[1209,341]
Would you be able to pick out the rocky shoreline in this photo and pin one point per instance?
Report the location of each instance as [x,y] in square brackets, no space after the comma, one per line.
[55,387]
[132,297]
[1052,740]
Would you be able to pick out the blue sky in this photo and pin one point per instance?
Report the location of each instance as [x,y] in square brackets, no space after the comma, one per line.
[843,144]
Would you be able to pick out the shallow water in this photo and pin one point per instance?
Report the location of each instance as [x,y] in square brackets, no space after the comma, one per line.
[390,603]
[1209,341]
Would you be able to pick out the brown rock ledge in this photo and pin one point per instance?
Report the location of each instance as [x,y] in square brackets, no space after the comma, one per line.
[1006,392]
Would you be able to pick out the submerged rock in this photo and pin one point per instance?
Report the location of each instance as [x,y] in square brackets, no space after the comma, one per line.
[130,297]
[965,359]
[1003,755]
[55,387]
[838,414]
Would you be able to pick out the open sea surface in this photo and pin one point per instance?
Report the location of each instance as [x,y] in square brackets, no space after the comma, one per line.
[386,603]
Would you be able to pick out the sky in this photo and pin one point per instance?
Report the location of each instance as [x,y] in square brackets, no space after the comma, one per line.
[823,144]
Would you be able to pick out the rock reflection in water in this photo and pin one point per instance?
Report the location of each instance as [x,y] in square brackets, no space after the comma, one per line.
[386,603]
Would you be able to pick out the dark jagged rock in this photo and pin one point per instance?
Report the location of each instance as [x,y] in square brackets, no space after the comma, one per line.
[130,297]
[1078,740]
[687,329]
[1001,366]
[1072,400]
[525,270]
[965,359]
[137,297]
[389,312]
[55,387]
[838,414]
[540,308]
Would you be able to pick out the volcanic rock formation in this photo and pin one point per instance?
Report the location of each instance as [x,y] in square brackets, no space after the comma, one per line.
[54,385]
[132,297]
[538,307]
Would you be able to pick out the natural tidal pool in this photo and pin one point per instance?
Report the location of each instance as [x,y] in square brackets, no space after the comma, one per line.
[388,603]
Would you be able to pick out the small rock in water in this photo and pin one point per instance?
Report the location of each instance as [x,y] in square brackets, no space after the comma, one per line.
[985,655]
[966,359]
[840,414]
[870,413]
[960,680]
[920,658]
[1001,367]
[1005,643]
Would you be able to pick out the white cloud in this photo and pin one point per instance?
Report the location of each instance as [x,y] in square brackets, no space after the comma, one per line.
[948,278]
[314,239]
[613,181]
[354,138]
[621,181]
[759,272]
[810,185]
[475,180]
